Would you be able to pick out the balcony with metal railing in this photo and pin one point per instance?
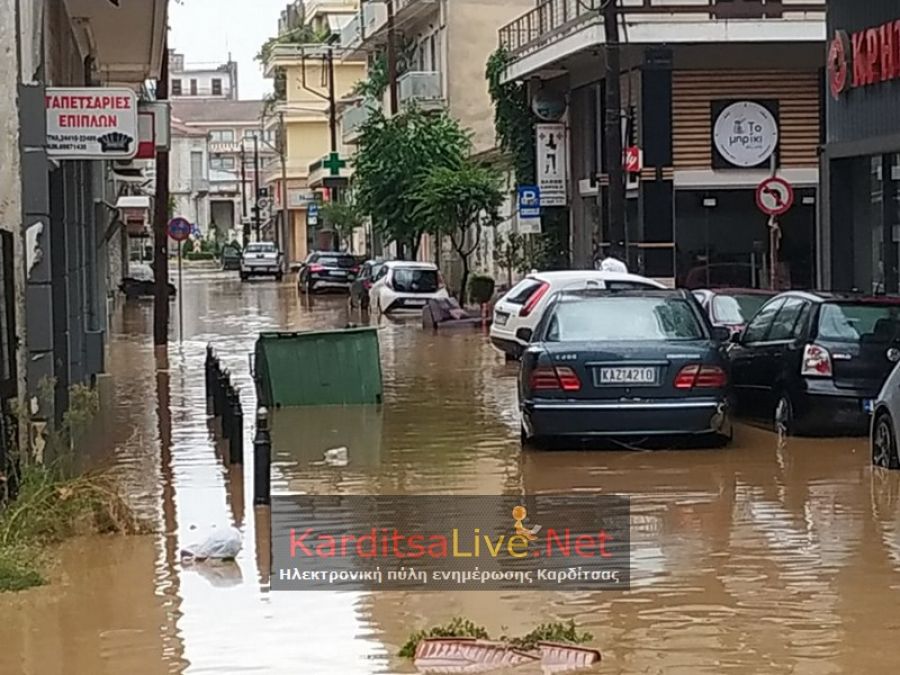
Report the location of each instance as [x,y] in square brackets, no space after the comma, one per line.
[658,21]
[421,88]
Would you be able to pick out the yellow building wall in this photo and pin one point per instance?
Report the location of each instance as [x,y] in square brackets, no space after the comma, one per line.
[346,75]
[307,141]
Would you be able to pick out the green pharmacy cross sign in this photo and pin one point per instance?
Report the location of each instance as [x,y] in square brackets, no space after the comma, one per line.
[334,164]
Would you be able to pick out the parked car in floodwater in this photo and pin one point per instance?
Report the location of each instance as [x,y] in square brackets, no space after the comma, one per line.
[885,418]
[402,285]
[327,270]
[525,303]
[813,363]
[732,308]
[359,289]
[632,363]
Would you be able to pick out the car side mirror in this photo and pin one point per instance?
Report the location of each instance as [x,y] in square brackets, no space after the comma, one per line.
[721,334]
[524,334]
[736,337]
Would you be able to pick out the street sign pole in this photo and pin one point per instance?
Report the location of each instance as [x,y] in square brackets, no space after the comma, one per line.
[180,298]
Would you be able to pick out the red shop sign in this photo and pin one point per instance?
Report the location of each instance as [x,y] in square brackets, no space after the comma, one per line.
[863,58]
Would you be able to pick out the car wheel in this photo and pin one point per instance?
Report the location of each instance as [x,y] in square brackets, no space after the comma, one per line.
[279,276]
[509,358]
[243,277]
[884,443]
[785,422]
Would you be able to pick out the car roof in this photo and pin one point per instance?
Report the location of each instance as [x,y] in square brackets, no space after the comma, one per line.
[842,296]
[740,291]
[411,264]
[582,293]
[562,276]
[343,253]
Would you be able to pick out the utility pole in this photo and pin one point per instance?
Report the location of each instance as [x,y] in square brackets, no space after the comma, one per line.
[392,58]
[245,224]
[332,114]
[613,127]
[161,225]
[285,214]
[256,214]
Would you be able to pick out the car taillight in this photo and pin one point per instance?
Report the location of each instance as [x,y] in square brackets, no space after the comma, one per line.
[355,270]
[367,284]
[547,378]
[701,377]
[316,268]
[534,299]
[816,362]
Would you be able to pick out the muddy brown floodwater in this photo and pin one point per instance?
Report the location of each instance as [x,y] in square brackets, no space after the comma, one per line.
[756,559]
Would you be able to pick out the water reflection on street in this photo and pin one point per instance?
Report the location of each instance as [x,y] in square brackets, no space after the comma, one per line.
[757,559]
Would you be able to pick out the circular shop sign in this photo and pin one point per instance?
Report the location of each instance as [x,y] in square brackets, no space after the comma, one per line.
[746,134]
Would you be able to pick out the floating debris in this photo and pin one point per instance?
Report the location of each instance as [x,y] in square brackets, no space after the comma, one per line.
[471,655]
[219,544]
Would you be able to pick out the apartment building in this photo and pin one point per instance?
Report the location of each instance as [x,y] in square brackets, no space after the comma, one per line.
[697,75]
[234,133]
[315,157]
[189,172]
[202,80]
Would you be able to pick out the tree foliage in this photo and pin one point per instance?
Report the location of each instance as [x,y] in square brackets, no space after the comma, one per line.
[460,202]
[343,218]
[513,118]
[376,82]
[394,157]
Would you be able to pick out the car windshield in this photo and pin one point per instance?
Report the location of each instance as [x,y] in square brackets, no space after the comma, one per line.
[856,322]
[627,319]
[343,261]
[727,310]
[261,247]
[410,280]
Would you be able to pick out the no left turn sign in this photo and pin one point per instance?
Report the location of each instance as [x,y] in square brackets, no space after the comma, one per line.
[774,196]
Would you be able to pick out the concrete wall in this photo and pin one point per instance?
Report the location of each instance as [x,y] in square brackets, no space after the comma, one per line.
[471,38]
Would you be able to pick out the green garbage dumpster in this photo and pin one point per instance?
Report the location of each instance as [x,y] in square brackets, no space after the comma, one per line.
[337,367]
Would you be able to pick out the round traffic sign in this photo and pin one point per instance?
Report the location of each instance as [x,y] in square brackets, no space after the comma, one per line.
[774,196]
[180,229]
[263,203]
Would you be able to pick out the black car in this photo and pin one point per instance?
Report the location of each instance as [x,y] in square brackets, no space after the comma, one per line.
[359,289]
[327,271]
[624,364]
[813,363]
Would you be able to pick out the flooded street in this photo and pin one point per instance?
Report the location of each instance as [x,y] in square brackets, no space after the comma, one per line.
[755,559]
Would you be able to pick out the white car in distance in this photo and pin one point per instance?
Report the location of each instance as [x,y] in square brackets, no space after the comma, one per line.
[401,285]
[524,304]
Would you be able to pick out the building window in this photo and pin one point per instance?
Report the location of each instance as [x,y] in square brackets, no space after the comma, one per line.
[193,87]
[220,163]
[222,136]
[196,165]
[176,87]
[216,87]
[250,134]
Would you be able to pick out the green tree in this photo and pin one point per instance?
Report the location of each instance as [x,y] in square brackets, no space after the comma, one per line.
[460,202]
[343,218]
[394,156]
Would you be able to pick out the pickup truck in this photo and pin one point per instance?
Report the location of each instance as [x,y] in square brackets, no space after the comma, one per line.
[262,258]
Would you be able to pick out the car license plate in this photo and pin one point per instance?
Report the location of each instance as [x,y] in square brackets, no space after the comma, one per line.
[624,375]
[501,318]
[338,273]
[868,405]
[416,303]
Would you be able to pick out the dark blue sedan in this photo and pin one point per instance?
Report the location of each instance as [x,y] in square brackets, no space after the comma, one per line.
[622,364]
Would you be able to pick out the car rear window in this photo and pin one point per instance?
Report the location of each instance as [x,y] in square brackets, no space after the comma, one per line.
[410,280]
[260,248]
[627,285]
[522,291]
[343,261]
[751,304]
[857,322]
[626,319]
[727,309]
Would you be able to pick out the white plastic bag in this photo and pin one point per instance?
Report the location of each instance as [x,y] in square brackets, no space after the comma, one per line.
[218,544]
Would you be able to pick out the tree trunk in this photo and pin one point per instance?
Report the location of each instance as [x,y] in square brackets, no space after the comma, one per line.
[464,280]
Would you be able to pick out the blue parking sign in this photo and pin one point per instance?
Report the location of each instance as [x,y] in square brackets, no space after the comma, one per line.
[529,197]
